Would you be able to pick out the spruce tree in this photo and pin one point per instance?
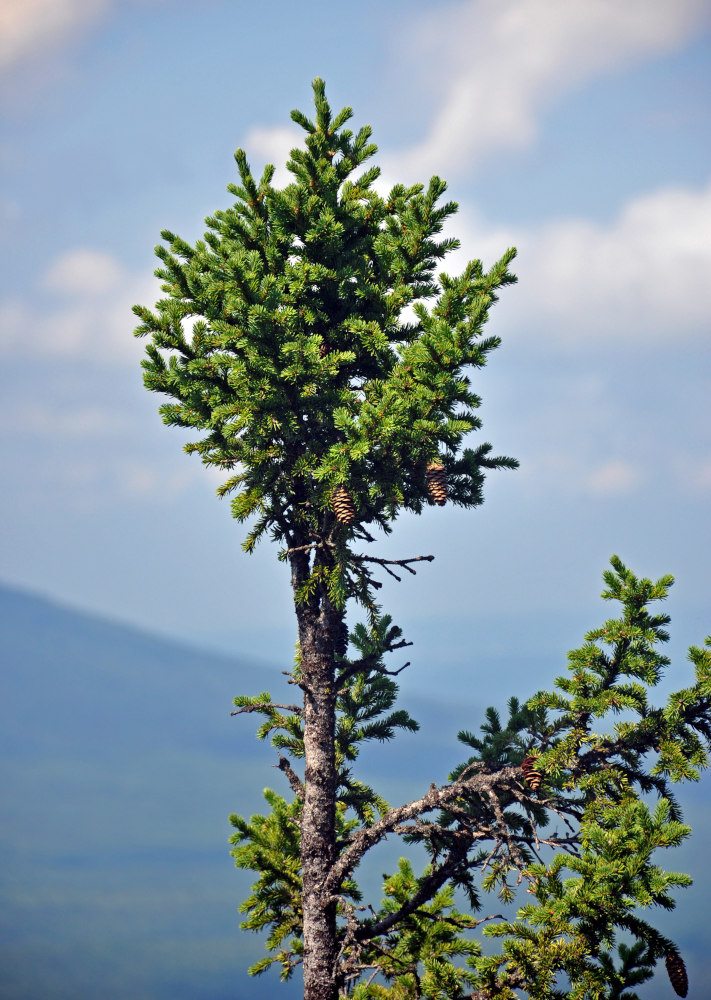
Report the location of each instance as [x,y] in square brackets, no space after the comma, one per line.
[327,369]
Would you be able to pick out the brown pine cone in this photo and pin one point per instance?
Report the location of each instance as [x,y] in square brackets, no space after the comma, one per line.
[532,776]
[676,970]
[343,505]
[437,483]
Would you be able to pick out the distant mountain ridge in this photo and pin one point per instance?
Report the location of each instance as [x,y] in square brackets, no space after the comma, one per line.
[70,676]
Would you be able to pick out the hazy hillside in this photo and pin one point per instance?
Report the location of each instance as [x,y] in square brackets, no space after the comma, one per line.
[120,766]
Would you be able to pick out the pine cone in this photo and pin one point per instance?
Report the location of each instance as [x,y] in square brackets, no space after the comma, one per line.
[532,776]
[676,970]
[343,505]
[437,483]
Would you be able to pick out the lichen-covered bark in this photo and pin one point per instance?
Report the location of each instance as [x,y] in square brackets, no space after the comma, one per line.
[318,841]
[319,625]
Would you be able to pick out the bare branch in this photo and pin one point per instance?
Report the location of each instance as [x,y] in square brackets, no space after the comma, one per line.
[372,976]
[320,544]
[262,705]
[386,563]
[428,887]
[467,923]
[394,562]
[297,786]
[429,831]
[504,831]
[435,798]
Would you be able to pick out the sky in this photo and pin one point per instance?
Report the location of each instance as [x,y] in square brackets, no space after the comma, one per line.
[576,131]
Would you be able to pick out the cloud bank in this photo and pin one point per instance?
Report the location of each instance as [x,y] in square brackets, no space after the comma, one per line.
[507,61]
[643,275]
[81,309]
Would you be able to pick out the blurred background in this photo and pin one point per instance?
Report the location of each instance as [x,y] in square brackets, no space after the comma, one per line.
[577,132]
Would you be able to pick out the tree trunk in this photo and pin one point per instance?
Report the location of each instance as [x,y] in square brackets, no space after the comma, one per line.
[318,628]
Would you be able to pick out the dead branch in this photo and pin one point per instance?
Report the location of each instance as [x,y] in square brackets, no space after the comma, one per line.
[300,684]
[466,923]
[505,834]
[261,706]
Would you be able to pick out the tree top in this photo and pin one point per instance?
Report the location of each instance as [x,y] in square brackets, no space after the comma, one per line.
[310,340]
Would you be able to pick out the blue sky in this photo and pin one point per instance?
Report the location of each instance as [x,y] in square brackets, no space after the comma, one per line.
[578,132]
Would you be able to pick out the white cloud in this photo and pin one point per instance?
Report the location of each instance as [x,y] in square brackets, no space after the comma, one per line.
[30,26]
[614,478]
[89,482]
[87,313]
[83,272]
[700,478]
[568,473]
[10,211]
[507,61]
[561,471]
[273,145]
[644,274]
[143,480]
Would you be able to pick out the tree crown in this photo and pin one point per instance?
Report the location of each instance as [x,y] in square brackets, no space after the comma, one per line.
[309,340]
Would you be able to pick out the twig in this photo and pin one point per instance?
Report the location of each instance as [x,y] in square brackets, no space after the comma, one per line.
[487,860]
[467,923]
[322,543]
[373,974]
[387,563]
[260,706]
[367,663]
[300,684]
[505,834]
[476,765]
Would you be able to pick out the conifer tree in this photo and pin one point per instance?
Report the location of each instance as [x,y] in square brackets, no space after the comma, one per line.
[327,369]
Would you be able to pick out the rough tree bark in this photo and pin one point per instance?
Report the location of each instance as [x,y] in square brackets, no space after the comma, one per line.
[319,625]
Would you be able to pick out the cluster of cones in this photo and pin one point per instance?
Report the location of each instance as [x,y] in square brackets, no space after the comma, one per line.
[436,487]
